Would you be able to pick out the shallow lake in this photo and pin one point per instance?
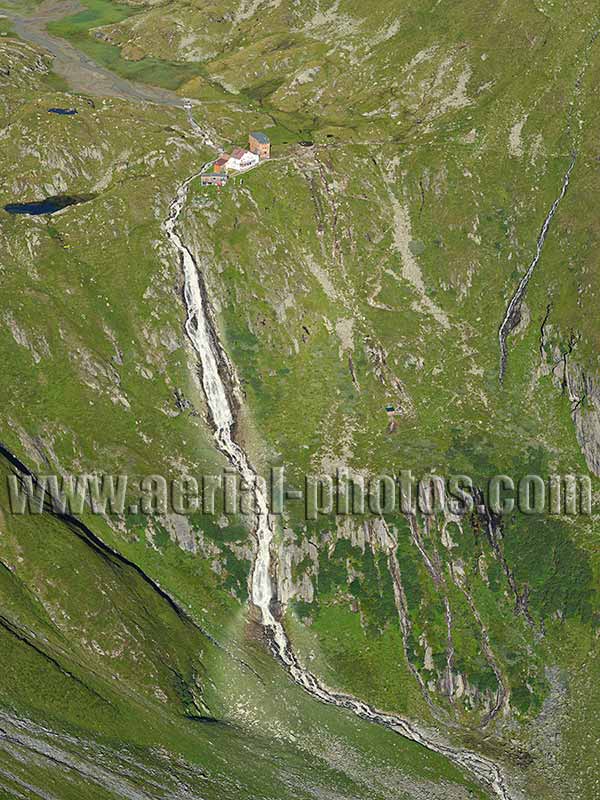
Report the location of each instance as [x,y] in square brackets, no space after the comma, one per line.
[65,112]
[50,205]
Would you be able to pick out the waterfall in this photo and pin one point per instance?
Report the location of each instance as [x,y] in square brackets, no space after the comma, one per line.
[214,362]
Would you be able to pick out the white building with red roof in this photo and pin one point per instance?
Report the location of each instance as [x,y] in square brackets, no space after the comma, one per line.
[242,159]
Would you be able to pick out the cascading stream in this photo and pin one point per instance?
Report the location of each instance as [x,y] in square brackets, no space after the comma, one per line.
[211,355]
[214,364]
[574,125]
[513,312]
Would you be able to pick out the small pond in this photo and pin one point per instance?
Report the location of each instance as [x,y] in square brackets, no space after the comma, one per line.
[65,112]
[50,205]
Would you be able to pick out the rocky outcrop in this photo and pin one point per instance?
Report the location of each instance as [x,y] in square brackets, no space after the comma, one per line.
[584,393]
[580,386]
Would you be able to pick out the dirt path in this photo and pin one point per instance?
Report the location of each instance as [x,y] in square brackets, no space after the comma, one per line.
[81,72]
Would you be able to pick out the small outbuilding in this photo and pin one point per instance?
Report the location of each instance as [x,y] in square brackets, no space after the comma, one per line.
[213,179]
[221,163]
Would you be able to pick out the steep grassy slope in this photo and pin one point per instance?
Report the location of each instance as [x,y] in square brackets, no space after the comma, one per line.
[89,373]
[374,266]
[293,353]
[108,689]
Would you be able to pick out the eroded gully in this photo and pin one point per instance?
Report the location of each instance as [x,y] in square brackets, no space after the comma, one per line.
[218,378]
[513,311]
[512,316]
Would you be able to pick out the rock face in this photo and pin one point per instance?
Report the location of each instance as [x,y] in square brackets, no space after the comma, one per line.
[291,555]
[584,392]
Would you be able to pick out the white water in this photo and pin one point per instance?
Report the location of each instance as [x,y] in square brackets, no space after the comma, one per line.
[214,362]
[508,322]
[212,357]
[574,127]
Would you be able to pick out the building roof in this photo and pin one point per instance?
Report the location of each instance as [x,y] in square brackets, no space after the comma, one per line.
[238,153]
[222,161]
[260,137]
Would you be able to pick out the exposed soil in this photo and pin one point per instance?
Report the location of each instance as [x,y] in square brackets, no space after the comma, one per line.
[82,74]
